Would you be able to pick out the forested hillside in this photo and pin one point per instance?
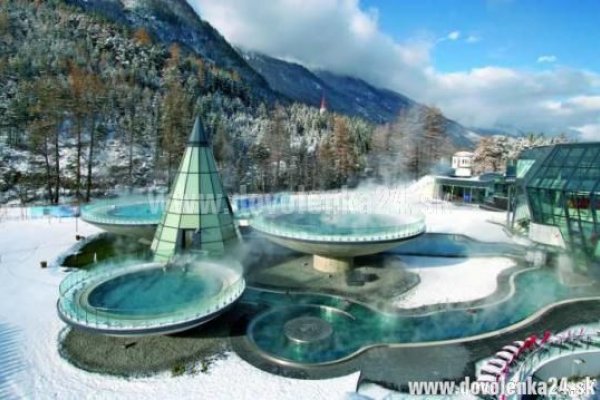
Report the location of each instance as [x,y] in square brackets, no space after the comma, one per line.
[90,105]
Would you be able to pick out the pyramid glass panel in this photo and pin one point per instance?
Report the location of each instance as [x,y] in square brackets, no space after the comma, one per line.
[197,216]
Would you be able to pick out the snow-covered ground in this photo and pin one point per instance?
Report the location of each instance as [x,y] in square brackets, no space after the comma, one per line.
[445,280]
[479,224]
[31,368]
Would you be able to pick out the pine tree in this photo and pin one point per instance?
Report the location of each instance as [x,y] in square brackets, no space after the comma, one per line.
[277,140]
[345,158]
[49,98]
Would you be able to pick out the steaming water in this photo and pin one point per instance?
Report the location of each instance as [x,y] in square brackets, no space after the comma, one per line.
[153,291]
[447,245]
[136,211]
[323,223]
[364,326]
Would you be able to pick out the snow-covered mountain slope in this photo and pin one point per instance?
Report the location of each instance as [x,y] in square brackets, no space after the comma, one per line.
[343,94]
[175,21]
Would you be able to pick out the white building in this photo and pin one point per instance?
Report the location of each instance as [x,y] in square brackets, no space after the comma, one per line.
[323,108]
[462,163]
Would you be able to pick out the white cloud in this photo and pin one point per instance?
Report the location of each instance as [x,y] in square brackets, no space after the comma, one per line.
[547,59]
[338,35]
[454,35]
[473,39]
[589,132]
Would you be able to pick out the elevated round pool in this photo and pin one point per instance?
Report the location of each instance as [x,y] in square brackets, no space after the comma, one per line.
[135,216]
[140,299]
[333,237]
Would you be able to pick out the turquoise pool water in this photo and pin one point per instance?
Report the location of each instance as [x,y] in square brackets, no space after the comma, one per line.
[448,245]
[150,212]
[153,291]
[361,326]
[136,210]
[321,223]
[131,297]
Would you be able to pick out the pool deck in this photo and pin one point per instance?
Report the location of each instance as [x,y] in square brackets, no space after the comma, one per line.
[393,367]
[375,280]
[389,365]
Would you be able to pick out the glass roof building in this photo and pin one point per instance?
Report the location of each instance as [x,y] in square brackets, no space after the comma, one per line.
[198,214]
[561,184]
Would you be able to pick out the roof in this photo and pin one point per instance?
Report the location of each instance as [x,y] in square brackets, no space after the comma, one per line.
[464,154]
[481,181]
[199,137]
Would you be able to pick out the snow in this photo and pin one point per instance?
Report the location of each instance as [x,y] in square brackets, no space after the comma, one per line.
[479,224]
[440,216]
[28,297]
[31,367]
[452,280]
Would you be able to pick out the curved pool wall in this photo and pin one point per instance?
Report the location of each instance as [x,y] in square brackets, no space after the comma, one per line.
[363,327]
[130,298]
[574,365]
[132,215]
[332,227]
[334,236]
[432,244]
[139,215]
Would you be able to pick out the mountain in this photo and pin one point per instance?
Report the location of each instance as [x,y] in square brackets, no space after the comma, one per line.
[343,94]
[268,78]
[176,21]
[502,130]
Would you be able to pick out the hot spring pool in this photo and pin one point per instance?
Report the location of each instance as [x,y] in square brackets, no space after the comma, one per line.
[136,211]
[355,326]
[327,225]
[135,298]
[154,291]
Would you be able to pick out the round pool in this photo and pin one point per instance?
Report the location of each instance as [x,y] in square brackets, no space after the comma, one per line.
[338,227]
[154,291]
[135,216]
[138,299]
[335,237]
[141,211]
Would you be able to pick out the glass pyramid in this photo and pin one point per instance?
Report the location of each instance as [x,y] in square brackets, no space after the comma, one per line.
[198,215]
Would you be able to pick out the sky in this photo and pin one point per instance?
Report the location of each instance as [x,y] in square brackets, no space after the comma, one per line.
[526,64]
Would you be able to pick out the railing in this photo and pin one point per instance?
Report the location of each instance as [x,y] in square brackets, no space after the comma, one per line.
[74,309]
[103,211]
[356,234]
[559,346]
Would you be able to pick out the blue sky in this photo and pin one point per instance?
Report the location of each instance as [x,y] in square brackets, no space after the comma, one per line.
[525,64]
[500,32]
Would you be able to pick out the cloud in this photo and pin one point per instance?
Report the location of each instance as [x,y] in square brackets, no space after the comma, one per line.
[454,35]
[547,59]
[473,39]
[340,36]
[589,132]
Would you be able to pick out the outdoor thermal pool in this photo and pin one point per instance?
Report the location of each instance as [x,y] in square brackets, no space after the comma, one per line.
[355,327]
[131,298]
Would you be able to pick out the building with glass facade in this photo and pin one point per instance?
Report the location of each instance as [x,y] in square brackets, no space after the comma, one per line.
[198,214]
[560,186]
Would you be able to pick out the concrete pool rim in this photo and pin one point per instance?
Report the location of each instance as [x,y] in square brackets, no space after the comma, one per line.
[69,305]
[507,329]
